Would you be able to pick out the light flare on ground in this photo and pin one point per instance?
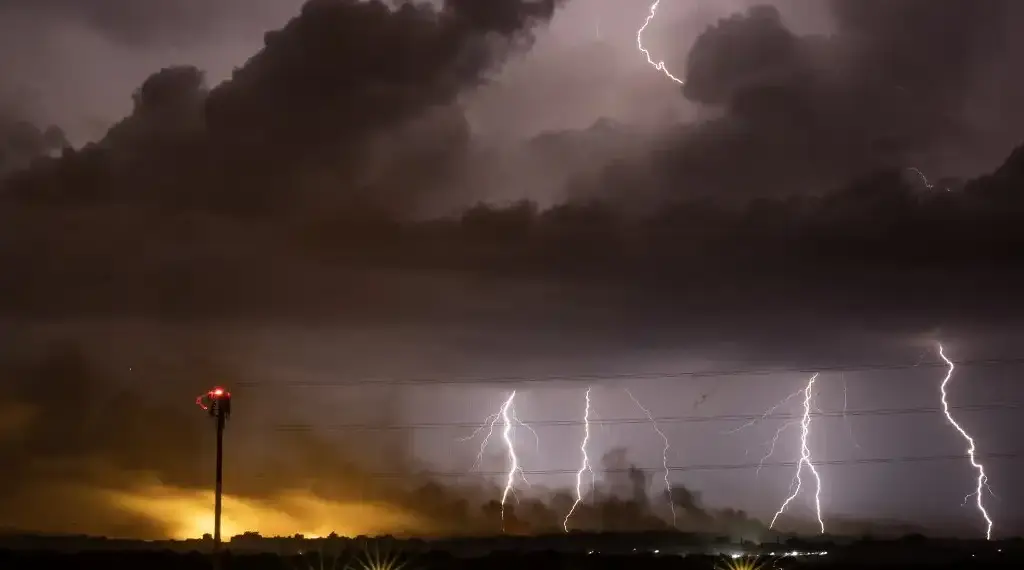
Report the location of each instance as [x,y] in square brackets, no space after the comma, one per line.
[374,559]
[740,562]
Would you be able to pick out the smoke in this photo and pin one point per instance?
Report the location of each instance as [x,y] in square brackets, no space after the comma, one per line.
[133,459]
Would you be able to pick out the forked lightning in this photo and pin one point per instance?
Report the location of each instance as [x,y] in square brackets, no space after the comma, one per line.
[664,453]
[660,66]
[508,417]
[513,459]
[584,465]
[778,433]
[805,459]
[971,448]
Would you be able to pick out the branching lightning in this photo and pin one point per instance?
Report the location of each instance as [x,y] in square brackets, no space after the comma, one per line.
[513,459]
[774,442]
[805,459]
[584,465]
[767,413]
[660,66]
[664,452]
[536,437]
[507,415]
[971,449]
[778,433]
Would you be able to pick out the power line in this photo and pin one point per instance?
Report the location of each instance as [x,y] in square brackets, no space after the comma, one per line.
[523,379]
[303,427]
[700,467]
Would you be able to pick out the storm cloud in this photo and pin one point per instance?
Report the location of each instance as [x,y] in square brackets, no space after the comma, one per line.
[335,181]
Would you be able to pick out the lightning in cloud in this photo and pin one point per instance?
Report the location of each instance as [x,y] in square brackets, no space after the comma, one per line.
[584,465]
[507,416]
[971,448]
[664,452]
[805,459]
[660,66]
[924,179]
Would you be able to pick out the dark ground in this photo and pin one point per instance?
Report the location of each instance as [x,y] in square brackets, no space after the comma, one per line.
[876,555]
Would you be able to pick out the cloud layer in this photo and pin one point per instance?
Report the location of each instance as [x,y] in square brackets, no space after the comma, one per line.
[306,188]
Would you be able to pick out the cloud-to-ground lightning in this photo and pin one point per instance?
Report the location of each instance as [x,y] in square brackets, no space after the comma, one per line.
[805,459]
[664,452]
[513,458]
[660,65]
[971,448]
[507,415]
[584,464]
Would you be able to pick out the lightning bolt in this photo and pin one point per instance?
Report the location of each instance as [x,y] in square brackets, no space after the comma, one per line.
[924,179]
[660,66]
[488,424]
[846,407]
[664,452]
[778,433]
[982,478]
[764,416]
[536,438]
[805,459]
[507,415]
[584,465]
[513,459]
[774,442]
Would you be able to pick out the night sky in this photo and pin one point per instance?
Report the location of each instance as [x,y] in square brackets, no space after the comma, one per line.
[356,215]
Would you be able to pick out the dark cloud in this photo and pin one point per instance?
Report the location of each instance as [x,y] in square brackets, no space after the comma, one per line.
[296,184]
[323,105]
[888,88]
[297,192]
[135,24]
[21,143]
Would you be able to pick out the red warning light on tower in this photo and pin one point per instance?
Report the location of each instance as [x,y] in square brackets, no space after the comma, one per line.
[216,400]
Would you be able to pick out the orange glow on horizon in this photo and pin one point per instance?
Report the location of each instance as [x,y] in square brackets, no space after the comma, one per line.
[189,514]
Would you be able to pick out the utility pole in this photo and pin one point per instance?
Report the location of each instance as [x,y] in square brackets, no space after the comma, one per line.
[217,402]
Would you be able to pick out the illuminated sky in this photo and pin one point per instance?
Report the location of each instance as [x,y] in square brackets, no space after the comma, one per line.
[101,50]
[272,358]
[149,304]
